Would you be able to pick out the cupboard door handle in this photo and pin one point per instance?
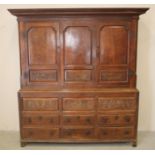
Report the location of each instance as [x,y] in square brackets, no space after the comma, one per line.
[131,73]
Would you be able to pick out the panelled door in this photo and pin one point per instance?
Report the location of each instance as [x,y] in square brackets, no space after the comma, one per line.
[115,57]
[78,48]
[41,42]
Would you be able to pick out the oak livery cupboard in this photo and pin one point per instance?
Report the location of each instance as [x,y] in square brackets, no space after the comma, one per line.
[78,74]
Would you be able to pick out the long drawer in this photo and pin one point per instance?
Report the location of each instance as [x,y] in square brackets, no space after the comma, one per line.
[31,118]
[40,133]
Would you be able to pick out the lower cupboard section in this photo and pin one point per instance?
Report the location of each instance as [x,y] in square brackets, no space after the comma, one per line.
[100,133]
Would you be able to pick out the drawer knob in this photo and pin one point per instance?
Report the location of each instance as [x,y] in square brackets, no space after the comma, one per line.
[116,117]
[51,133]
[104,119]
[40,118]
[67,120]
[69,133]
[88,120]
[88,133]
[127,118]
[29,120]
[78,117]
[30,133]
[126,132]
[51,120]
[104,132]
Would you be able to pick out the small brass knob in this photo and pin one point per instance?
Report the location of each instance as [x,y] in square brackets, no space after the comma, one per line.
[104,132]
[126,132]
[30,133]
[127,118]
[88,133]
[29,120]
[40,118]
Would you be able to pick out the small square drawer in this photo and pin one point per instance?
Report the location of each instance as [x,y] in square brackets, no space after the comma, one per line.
[76,133]
[40,133]
[78,120]
[73,104]
[39,119]
[114,133]
[35,104]
[116,119]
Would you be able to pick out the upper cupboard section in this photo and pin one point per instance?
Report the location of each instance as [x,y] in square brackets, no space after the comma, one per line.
[68,53]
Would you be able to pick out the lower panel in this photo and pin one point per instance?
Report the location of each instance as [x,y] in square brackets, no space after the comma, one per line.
[78,116]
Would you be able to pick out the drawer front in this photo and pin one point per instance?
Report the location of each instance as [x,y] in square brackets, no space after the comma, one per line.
[117,103]
[39,133]
[76,133]
[39,119]
[116,120]
[73,104]
[78,120]
[32,104]
[113,133]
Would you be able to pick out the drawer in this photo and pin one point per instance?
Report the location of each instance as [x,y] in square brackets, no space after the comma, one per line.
[40,133]
[35,104]
[73,104]
[76,133]
[78,120]
[113,133]
[117,103]
[116,120]
[39,119]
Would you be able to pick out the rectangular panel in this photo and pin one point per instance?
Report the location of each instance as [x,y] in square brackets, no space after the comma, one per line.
[39,119]
[43,75]
[78,119]
[76,133]
[114,133]
[77,45]
[116,119]
[113,45]
[34,104]
[40,133]
[114,75]
[113,103]
[72,104]
[78,75]
[42,44]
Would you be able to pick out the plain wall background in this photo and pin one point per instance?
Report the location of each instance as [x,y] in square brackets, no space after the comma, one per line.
[10,69]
